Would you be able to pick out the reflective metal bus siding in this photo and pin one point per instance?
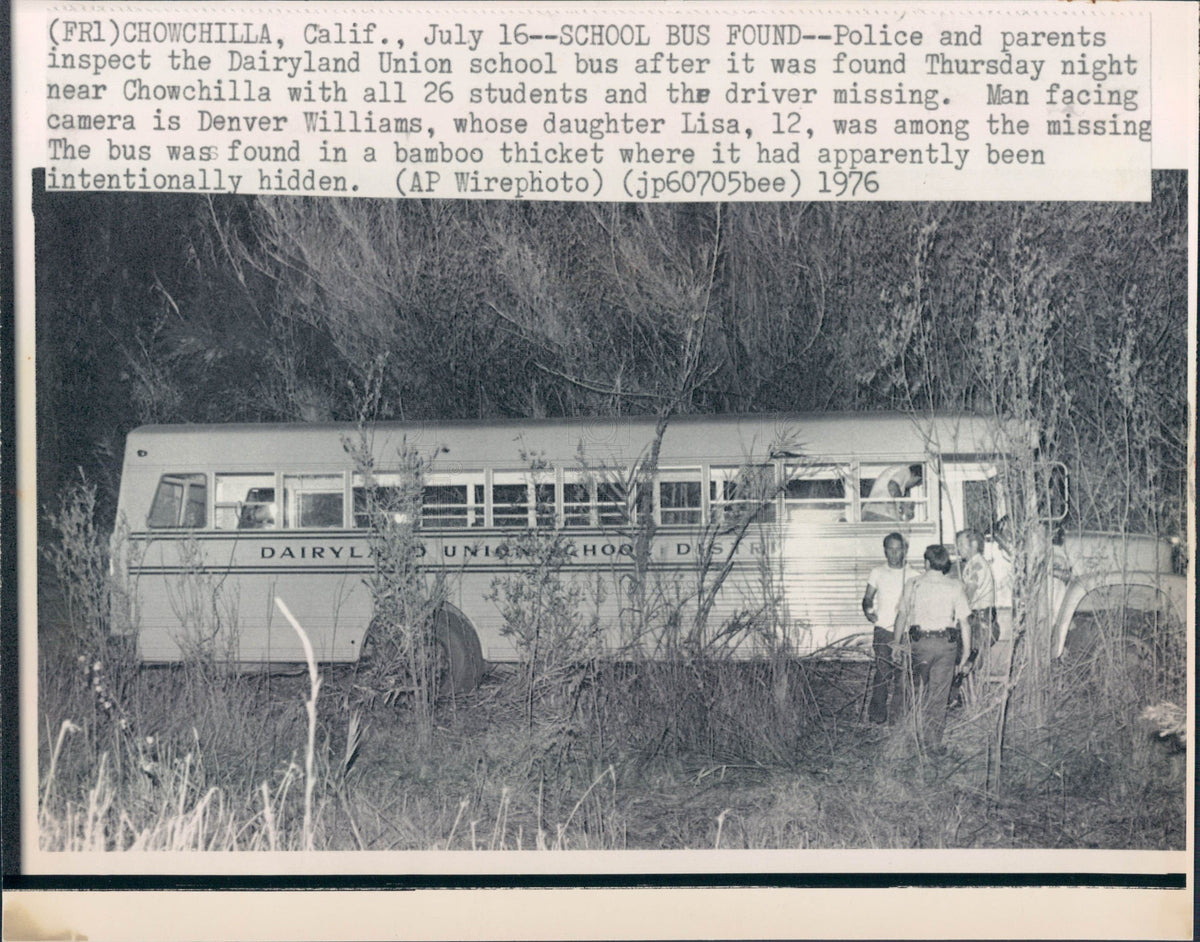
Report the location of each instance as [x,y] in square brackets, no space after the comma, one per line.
[191,584]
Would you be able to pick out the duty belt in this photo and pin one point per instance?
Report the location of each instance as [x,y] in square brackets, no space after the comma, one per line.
[917,633]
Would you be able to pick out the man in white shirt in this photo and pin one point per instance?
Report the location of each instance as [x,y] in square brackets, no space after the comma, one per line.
[885,585]
[980,585]
[887,499]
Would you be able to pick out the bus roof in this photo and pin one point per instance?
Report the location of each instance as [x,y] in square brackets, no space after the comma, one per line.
[470,444]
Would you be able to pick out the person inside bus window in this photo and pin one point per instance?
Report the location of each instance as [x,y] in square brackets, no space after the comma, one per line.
[885,585]
[886,499]
[259,509]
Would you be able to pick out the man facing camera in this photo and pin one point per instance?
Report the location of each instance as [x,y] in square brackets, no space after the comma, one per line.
[880,602]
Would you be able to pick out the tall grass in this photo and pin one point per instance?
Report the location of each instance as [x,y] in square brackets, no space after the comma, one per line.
[489,782]
[401,654]
[692,751]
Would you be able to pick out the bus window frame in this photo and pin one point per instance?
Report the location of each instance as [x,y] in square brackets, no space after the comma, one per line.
[921,505]
[715,512]
[187,480]
[623,505]
[573,516]
[504,477]
[845,473]
[572,511]
[570,516]
[285,523]
[473,510]
[695,474]
[238,505]
[382,479]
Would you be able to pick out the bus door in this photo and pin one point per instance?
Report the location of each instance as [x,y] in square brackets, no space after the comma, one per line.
[973,497]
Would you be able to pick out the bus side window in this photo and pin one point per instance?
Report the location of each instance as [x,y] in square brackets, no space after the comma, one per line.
[612,508]
[180,501]
[735,493]
[388,495]
[450,504]
[577,504]
[589,502]
[444,505]
[544,495]
[313,500]
[816,494]
[510,500]
[679,496]
[893,492]
[244,502]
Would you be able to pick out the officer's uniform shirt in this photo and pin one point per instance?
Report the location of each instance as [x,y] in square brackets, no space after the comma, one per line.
[978,581]
[1002,574]
[934,601]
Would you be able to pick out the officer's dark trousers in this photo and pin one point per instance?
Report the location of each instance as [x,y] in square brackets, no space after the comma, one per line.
[884,677]
[985,631]
[933,663]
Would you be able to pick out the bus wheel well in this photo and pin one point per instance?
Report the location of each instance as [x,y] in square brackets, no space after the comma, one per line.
[1117,613]
[458,643]
[458,666]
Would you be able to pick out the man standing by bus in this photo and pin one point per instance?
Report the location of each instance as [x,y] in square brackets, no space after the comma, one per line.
[980,584]
[885,585]
[934,616]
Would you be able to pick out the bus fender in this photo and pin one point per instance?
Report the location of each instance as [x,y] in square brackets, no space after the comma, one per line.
[1160,587]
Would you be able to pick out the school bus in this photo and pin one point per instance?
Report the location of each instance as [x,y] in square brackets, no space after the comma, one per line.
[767,521]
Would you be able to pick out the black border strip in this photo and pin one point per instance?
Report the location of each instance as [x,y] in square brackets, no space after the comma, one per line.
[820,881]
[10,695]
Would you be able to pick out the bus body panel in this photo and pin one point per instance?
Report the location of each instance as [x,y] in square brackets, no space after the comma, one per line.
[801,573]
[217,593]
[713,439]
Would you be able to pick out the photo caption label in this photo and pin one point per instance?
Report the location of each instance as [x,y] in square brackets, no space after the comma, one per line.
[653,105]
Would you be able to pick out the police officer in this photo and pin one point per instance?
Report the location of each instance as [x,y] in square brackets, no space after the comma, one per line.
[980,585]
[934,619]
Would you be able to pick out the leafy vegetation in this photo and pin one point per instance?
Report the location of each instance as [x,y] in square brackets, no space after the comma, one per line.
[187,309]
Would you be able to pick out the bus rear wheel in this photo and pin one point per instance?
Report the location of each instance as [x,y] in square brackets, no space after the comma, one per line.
[460,655]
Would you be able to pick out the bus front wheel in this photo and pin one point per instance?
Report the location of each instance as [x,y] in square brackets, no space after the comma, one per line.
[460,656]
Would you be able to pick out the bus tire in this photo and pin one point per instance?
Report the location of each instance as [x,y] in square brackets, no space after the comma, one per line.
[1083,636]
[460,655]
